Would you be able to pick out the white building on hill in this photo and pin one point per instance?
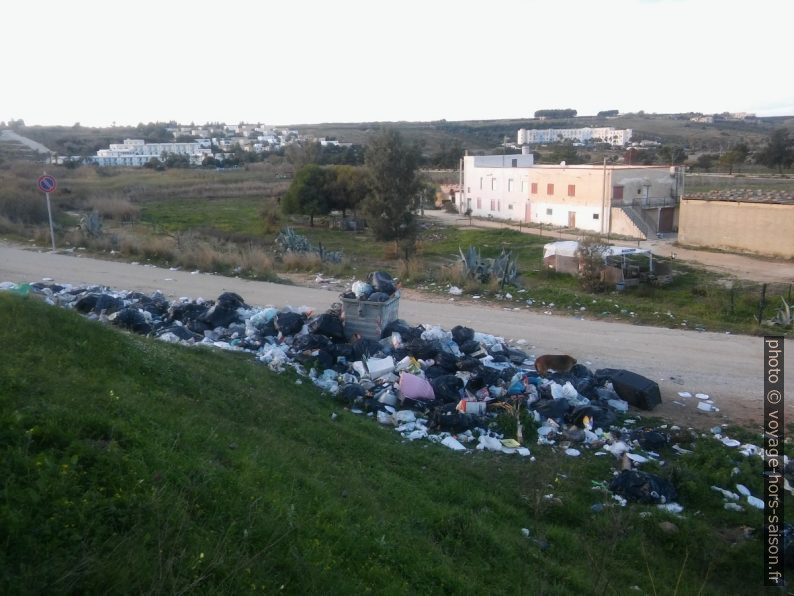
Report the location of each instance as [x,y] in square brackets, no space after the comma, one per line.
[609,135]
[136,153]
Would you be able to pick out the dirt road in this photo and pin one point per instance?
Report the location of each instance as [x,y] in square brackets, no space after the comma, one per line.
[728,264]
[727,367]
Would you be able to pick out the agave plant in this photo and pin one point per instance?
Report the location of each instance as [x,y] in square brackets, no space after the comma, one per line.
[290,241]
[502,268]
[783,317]
[91,224]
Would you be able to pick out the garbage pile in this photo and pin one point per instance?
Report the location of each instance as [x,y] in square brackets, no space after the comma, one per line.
[428,383]
[379,287]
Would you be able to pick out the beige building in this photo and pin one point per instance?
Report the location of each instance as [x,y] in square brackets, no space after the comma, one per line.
[758,222]
[635,201]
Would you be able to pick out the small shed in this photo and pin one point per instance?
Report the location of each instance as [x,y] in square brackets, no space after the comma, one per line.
[561,256]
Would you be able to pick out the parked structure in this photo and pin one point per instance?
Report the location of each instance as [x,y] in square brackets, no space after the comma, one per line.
[760,222]
[635,201]
[609,135]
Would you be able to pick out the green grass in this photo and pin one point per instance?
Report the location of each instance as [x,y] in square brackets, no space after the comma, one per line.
[235,215]
[130,465]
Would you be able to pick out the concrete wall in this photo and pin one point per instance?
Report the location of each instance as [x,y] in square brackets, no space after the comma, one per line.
[620,223]
[761,228]
[644,183]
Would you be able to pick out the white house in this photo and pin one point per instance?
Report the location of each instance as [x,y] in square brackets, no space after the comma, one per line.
[496,185]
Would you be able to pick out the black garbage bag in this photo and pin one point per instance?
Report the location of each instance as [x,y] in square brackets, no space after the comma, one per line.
[462,334]
[580,371]
[289,323]
[187,311]
[352,393]
[639,391]
[435,371]
[310,341]
[365,348]
[556,409]
[446,361]
[516,356]
[586,386]
[452,421]
[447,388]
[319,359]
[230,300]
[328,325]
[180,331]
[349,295]
[407,332]
[651,440]
[469,347]
[132,319]
[97,303]
[224,312]
[500,358]
[642,487]
[423,349]
[382,282]
[345,351]
[469,363]
[378,297]
[600,417]
[155,305]
[507,374]
[490,376]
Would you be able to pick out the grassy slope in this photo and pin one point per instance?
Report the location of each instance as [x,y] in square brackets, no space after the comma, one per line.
[130,465]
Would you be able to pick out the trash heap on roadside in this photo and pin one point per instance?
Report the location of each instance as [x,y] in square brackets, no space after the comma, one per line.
[444,386]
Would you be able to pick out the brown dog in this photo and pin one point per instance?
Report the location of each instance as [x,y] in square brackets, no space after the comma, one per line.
[555,362]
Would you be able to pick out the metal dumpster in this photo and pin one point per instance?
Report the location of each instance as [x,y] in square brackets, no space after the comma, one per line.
[366,318]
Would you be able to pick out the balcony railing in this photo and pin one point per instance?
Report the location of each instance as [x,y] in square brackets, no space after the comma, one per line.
[650,202]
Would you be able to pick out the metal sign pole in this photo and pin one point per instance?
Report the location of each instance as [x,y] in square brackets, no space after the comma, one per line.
[52,229]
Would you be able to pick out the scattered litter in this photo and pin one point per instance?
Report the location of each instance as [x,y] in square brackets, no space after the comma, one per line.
[704,407]
[573,452]
[701,396]
[684,394]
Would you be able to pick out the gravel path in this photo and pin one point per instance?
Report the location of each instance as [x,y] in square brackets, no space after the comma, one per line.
[727,367]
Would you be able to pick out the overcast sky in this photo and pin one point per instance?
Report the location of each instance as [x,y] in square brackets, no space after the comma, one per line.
[291,61]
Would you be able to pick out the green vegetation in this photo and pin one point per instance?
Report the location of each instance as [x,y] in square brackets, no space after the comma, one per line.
[130,465]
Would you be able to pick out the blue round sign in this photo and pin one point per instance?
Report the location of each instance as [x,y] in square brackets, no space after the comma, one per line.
[46,183]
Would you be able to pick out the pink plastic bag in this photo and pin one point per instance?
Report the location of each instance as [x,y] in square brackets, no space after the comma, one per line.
[413,387]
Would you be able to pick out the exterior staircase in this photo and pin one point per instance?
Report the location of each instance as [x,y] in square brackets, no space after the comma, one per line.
[635,215]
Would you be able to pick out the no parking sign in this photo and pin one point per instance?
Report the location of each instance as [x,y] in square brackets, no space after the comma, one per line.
[47,184]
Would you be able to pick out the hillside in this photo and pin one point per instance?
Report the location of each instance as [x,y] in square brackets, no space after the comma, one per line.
[473,135]
[131,465]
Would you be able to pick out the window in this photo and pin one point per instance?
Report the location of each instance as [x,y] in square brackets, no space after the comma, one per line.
[571,190]
[468,190]
[514,163]
[617,193]
[595,215]
[493,204]
[479,203]
[510,185]
[549,189]
[493,183]
[534,188]
[510,207]
[498,205]
[523,186]
[548,211]
[481,183]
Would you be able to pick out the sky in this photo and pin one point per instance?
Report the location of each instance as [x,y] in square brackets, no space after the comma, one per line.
[295,62]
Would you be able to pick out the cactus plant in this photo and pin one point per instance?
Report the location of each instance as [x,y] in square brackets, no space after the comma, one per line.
[502,268]
[290,241]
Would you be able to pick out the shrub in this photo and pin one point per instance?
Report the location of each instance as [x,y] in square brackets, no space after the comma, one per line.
[591,255]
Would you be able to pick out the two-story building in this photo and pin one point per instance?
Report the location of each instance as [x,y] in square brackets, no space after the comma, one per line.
[636,201]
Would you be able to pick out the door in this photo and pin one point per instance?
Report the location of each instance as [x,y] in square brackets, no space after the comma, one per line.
[572,219]
[528,213]
[666,215]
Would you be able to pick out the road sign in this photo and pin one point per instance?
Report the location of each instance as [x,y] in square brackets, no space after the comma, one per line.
[46,183]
